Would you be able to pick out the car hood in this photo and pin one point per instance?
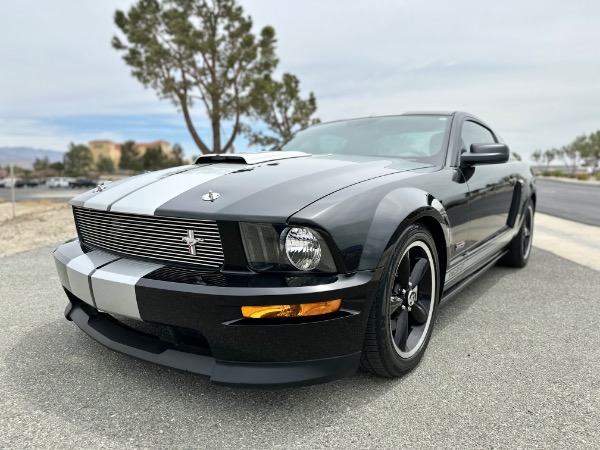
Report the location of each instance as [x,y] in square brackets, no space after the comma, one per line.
[264,187]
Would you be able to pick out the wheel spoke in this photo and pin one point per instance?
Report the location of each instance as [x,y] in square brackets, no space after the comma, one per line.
[401,329]
[419,313]
[418,272]
[403,273]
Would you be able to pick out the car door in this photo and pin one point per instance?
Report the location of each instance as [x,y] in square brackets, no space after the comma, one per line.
[490,188]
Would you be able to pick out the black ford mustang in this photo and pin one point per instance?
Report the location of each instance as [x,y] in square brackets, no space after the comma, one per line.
[298,266]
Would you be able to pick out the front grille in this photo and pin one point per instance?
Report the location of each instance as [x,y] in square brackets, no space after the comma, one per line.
[187,276]
[150,237]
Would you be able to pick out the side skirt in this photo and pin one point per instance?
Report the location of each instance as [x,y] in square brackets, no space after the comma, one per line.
[462,284]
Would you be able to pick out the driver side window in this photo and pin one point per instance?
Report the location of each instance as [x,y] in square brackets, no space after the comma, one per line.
[473,133]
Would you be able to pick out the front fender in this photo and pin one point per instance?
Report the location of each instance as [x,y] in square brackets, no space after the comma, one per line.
[395,212]
[364,220]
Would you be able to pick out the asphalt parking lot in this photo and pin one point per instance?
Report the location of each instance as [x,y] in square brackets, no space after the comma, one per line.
[514,362]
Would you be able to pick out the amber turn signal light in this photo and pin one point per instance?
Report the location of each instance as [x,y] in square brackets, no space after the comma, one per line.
[300,310]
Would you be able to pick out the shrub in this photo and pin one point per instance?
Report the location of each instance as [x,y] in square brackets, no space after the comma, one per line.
[582,176]
[553,173]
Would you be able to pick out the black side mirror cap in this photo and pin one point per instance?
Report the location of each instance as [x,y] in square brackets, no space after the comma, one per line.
[486,154]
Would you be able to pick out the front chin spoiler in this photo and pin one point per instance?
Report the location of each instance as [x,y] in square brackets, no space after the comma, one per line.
[124,340]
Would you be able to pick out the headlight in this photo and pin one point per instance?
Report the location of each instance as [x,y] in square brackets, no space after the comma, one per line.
[279,248]
[302,248]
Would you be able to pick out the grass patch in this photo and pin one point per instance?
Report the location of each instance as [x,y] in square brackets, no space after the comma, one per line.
[574,176]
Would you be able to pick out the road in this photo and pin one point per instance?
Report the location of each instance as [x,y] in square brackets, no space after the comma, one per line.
[41,193]
[570,200]
[513,363]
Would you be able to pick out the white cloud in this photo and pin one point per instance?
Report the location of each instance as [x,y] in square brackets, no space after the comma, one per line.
[530,69]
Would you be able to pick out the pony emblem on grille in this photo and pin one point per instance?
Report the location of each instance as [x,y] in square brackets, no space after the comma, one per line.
[191,241]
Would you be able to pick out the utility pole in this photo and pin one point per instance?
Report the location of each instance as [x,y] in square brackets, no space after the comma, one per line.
[12,189]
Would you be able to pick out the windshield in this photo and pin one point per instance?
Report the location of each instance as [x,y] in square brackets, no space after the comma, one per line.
[415,138]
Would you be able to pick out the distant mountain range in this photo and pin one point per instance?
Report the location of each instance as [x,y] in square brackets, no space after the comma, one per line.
[25,156]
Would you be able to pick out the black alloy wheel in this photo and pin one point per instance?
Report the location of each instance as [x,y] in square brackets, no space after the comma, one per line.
[519,248]
[527,238]
[403,314]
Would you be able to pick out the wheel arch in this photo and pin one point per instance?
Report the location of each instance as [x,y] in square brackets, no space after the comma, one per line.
[433,222]
[439,238]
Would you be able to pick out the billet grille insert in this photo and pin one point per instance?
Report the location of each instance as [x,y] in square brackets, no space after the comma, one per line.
[155,238]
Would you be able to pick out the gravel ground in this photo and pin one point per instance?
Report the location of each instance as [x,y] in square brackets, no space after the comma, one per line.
[513,363]
[37,224]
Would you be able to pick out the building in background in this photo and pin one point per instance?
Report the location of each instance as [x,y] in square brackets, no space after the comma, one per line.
[105,149]
[108,149]
[143,146]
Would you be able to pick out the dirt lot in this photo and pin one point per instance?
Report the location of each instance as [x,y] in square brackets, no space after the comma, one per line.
[37,224]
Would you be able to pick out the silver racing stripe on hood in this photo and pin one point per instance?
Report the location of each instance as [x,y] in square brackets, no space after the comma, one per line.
[119,189]
[151,197]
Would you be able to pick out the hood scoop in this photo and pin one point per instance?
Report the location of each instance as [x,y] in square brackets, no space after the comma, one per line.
[249,158]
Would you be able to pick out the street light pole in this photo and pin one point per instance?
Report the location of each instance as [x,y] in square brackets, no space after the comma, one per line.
[12,189]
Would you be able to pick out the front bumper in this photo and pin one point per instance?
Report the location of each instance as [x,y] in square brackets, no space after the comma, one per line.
[116,301]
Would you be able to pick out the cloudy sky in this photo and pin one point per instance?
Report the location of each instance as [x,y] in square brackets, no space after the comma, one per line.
[530,68]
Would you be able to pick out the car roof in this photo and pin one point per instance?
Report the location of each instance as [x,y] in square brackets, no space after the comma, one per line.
[456,114]
[429,113]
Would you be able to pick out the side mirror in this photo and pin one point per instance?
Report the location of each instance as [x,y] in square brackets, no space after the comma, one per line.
[486,154]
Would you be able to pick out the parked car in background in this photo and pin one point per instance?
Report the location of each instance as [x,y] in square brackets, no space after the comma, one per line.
[58,182]
[83,183]
[27,183]
[9,182]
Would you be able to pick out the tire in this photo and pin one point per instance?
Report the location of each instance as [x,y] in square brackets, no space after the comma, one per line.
[519,248]
[386,352]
